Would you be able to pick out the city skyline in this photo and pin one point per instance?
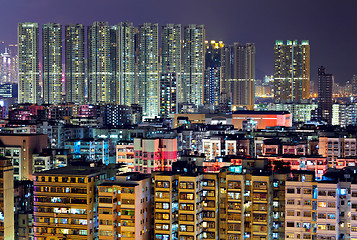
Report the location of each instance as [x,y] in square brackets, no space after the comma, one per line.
[324,25]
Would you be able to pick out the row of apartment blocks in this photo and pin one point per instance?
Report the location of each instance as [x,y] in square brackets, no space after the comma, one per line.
[29,152]
[236,203]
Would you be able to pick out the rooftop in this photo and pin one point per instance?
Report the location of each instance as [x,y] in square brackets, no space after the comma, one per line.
[72,171]
[260,112]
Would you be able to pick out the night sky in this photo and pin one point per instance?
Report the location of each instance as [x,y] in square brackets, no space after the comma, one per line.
[330,26]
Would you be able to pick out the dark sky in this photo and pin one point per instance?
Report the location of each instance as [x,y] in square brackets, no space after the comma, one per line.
[331,26]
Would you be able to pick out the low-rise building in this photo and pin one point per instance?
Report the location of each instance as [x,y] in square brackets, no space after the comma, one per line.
[65,205]
[124,207]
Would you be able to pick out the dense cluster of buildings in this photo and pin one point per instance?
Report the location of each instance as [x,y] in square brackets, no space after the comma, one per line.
[69,174]
[132,137]
[127,65]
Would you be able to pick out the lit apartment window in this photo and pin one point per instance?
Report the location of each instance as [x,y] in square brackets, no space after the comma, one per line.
[186,185]
[186,196]
[162,205]
[290,213]
[290,235]
[331,227]
[186,228]
[307,191]
[233,185]
[321,227]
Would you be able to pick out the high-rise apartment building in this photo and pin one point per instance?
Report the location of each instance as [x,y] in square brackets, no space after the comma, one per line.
[65,204]
[124,207]
[291,71]
[238,76]
[193,65]
[74,63]
[148,67]
[29,73]
[52,63]
[212,72]
[226,73]
[242,83]
[325,81]
[99,63]
[126,88]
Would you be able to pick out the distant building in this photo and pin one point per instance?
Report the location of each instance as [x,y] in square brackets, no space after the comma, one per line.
[193,65]
[99,63]
[325,95]
[148,67]
[171,54]
[8,91]
[301,112]
[9,67]
[116,115]
[291,71]
[261,119]
[238,76]
[52,63]
[354,85]
[126,41]
[29,73]
[89,150]
[212,73]
[74,63]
